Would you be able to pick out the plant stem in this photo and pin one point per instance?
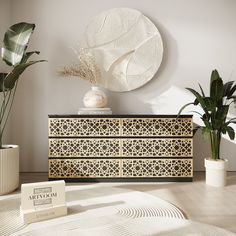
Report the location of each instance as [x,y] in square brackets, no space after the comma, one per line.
[8,112]
[215,138]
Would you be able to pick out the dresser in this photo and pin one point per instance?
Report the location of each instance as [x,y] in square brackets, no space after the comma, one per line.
[120,148]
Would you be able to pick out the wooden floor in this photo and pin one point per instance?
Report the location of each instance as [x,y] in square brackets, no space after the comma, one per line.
[216,206]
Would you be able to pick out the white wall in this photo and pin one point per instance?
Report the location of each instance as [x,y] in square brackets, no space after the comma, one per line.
[198,36]
[5,15]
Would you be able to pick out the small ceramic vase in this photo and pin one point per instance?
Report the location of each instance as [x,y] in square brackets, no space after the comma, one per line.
[95,98]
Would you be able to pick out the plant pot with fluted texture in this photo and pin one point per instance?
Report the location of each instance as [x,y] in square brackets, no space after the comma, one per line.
[216,172]
[9,168]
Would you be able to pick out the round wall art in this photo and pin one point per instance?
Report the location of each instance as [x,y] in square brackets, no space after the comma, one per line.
[127,46]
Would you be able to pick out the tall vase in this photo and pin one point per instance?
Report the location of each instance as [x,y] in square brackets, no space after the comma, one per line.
[95,98]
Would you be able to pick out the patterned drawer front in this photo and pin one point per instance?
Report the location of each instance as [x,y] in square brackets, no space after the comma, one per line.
[156,127]
[62,127]
[157,147]
[88,168]
[84,147]
[157,168]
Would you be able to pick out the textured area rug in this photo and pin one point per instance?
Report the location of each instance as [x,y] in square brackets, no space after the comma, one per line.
[111,211]
[120,226]
[85,202]
[10,216]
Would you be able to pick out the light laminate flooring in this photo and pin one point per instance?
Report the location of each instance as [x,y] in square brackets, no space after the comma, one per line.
[216,206]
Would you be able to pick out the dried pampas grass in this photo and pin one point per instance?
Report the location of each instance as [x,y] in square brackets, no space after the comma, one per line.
[86,68]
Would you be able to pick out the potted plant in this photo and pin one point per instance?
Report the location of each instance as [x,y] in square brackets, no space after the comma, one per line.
[215,108]
[13,53]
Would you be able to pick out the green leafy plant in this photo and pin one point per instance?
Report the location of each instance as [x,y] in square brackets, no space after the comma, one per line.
[13,53]
[215,109]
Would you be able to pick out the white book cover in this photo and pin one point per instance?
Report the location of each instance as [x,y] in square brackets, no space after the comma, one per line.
[43,200]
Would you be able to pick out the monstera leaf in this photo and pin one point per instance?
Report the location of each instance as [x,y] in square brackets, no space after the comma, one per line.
[15,42]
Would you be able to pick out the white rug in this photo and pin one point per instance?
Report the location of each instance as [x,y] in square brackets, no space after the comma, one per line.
[106,211]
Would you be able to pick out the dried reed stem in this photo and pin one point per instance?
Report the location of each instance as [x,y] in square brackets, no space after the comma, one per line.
[86,68]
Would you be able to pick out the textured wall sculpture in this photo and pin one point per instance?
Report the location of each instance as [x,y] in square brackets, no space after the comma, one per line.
[127,45]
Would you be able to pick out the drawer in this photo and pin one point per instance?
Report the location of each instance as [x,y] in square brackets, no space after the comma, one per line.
[126,168]
[113,127]
[156,127]
[75,147]
[157,168]
[85,168]
[158,147]
[88,127]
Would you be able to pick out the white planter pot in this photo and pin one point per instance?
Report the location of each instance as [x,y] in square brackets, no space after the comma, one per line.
[9,169]
[216,172]
[95,98]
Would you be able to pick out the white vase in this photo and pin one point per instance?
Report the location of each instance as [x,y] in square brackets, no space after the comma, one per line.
[95,98]
[9,169]
[216,172]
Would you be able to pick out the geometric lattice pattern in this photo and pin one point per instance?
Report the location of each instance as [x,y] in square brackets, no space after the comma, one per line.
[157,168]
[75,127]
[77,168]
[157,127]
[115,147]
[74,147]
[60,127]
[181,147]
[130,147]
[113,168]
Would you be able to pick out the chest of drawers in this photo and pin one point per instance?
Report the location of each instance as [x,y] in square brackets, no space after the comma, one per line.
[120,147]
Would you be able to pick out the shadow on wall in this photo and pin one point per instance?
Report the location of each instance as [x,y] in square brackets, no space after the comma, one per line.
[170,102]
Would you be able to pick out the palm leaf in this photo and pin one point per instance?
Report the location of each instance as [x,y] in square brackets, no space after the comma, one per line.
[214,76]
[183,107]
[27,55]
[15,42]
[231,92]
[227,86]
[203,94]
[217,89]
[230,132]
[12,77]
[200,99]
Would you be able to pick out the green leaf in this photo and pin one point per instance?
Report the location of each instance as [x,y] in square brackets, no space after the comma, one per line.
[227,86]
[198,97]
[203,94]
[209,103]
[214,76]
[183,107]
[15,42]
[27,55]
[232,120]
[12,77]
[206,121]
[220,117]
[196,102]
[217,89]
[230,132]
[231,92]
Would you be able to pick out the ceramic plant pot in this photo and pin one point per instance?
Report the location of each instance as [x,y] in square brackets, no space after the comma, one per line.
[95,98]
[9,169]
[216,172]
